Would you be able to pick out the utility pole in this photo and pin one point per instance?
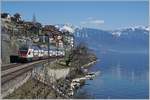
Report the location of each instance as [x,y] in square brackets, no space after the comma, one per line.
[34,19]
[47,35]
[57,44]
[48,48]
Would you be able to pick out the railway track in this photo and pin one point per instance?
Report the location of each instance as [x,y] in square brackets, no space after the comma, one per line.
[13,75]
[5,67]
[11,72]
[8,66]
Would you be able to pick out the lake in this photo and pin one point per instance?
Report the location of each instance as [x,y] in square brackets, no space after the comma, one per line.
[123,76]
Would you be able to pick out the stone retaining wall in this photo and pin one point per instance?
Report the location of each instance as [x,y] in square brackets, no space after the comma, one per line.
[12,85]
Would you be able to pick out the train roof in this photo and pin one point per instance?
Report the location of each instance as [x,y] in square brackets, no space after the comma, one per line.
[34,46]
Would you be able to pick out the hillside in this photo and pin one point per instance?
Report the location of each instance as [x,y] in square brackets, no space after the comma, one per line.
[17,32]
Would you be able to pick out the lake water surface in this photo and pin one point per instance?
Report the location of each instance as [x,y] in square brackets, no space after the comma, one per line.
[123,76]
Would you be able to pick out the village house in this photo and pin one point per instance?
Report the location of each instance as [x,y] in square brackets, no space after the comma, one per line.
[69,38]
[55,36]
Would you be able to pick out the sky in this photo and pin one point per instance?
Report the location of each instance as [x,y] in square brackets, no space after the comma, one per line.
[94,14]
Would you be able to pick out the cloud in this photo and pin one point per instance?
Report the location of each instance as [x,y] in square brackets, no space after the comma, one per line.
[92,21]
[90,18]
[96,21]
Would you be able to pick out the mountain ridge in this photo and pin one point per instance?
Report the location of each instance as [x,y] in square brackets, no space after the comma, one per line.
[127,40]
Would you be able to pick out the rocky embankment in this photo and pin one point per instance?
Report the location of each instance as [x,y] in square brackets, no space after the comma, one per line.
[51,83]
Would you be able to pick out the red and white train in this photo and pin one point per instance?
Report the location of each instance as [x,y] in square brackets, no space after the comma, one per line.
[35,52]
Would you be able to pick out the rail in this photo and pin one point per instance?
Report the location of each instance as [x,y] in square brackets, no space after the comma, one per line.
[11,73]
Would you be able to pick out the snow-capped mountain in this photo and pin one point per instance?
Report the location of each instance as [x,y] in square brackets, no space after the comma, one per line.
[119,32]
[65,27]
[132,39]
[147,28]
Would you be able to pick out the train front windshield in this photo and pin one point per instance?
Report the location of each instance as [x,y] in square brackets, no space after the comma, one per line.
[23,50]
